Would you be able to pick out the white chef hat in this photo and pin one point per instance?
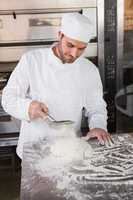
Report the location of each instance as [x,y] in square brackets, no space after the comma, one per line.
[77,26]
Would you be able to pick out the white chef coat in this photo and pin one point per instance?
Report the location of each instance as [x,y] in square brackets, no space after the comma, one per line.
[64,88]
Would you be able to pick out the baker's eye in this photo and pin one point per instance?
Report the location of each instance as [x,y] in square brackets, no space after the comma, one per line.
[81,49]
[70,45]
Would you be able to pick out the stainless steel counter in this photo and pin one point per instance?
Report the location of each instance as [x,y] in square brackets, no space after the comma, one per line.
[105,174]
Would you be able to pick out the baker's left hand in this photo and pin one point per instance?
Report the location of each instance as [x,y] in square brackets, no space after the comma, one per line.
[103,137]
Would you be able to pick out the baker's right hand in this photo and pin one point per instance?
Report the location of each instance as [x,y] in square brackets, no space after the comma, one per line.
[37,110]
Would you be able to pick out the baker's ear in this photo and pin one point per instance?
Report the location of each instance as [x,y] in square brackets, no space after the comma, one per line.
[60,35]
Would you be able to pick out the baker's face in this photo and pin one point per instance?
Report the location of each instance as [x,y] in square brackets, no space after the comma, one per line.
[70,49]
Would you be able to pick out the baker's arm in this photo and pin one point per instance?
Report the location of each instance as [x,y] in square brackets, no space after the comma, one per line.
[14,100]
[97,112]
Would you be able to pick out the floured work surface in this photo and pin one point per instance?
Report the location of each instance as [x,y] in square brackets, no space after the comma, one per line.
[96,173]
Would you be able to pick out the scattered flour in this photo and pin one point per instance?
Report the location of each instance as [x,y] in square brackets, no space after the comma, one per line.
[60,166]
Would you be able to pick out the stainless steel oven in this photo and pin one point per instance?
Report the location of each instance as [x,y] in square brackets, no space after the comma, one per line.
[116,63]
[31,24]
[124,95]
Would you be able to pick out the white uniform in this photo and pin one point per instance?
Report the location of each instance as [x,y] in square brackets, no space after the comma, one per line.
[64,88]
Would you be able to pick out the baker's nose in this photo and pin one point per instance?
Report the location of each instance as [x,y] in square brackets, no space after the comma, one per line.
[74,52]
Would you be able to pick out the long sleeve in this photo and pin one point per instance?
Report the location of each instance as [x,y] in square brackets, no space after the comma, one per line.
[96,106]
[14,100]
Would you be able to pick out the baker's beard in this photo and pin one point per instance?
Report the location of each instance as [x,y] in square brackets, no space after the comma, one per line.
[62,55]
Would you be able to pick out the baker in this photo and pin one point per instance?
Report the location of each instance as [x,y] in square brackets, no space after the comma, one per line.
[58,81]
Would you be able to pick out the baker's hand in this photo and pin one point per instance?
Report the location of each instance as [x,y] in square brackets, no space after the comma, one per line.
[37,110]
[103,137]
